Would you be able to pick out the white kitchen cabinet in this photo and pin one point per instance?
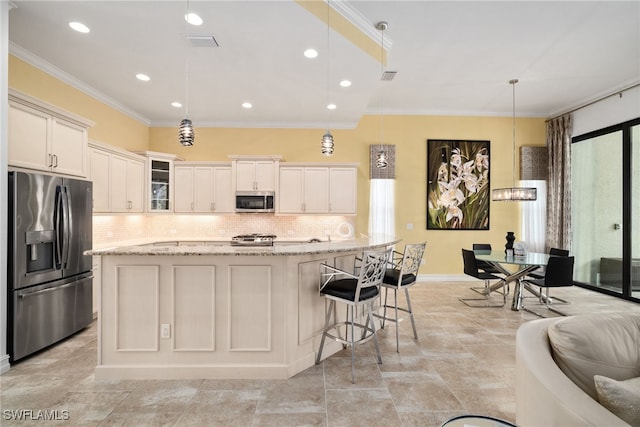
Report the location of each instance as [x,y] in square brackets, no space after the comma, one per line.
[258,175]
[290,197]
[100,174]
[43,137]
[127,185]
[343,190]
[317,189]
[254,173]
[203,188]
[118,179]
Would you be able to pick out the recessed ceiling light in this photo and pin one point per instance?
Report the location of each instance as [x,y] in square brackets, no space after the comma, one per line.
[143,77]
[79,27]
[331,106]
[176,104]
[193,19]
[345,83]
[311,53]
[246,105]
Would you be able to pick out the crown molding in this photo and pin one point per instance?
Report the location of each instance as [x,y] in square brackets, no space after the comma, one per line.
[34,60]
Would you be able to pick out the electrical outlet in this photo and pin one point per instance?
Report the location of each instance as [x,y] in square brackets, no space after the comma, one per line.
[165,330]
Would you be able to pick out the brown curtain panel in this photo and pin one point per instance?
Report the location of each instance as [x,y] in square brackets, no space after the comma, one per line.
[558,233]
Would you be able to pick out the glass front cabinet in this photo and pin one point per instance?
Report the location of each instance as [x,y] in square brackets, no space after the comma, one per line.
[159,181]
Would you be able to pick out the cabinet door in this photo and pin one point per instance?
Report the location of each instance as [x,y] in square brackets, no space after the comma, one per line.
[161,182]
[245,175]
[68,148]
[223,197]
[316,190]
[183,197]
[135,185]
[343,195]
[291,194]
[202,189]
[118,194]
[28,133]
[265,175]
[101,177]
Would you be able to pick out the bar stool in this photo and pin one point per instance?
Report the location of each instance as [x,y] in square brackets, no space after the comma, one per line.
[401,276]
[355,291]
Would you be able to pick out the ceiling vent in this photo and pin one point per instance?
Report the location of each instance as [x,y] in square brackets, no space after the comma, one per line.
[202,40]
[387,76]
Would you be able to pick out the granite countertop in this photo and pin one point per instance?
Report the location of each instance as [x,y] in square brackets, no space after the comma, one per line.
[218,247]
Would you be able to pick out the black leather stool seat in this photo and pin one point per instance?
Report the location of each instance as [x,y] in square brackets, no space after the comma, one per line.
[346,289]
[391,277]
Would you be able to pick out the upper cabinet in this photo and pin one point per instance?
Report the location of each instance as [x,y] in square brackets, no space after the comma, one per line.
[343,190]
[203,188]
[318,189]
[44,137]
[255,173]
[159,181]
[118,179]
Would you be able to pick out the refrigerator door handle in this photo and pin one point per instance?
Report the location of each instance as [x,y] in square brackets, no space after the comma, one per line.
[66,226]
[57,224]
[62,227]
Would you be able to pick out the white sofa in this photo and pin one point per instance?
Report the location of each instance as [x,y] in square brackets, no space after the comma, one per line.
[545,396]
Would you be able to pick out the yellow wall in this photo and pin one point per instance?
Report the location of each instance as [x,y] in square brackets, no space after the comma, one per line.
[111,126]
[408,133]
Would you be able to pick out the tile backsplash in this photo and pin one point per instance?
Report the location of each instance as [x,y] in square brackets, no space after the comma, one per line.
[109,229]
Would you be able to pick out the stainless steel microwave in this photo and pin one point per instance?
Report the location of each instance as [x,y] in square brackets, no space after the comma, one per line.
[255,201]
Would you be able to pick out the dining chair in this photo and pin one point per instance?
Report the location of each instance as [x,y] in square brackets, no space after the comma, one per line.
[355,291]
[539,273]
[401,276]
[485,266]
[558,273]
[471,269]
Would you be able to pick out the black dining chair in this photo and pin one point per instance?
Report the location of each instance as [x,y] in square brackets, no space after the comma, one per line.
[539,272]
[471,269]
[558,273]
[354,290]
[401,276]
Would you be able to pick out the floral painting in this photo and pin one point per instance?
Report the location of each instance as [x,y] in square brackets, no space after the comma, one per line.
[457,185]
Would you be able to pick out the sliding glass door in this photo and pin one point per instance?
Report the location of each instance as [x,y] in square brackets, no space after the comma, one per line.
[606,209]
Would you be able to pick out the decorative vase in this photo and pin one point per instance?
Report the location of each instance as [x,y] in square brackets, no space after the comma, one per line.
[510,239]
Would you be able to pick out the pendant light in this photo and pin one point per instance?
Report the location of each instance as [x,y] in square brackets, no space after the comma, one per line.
[186,134]
[514,194]
[327,145]
[381,159]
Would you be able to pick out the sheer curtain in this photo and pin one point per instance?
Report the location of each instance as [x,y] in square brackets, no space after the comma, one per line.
[382,198]
[558,233]
[534,217]
[382,207]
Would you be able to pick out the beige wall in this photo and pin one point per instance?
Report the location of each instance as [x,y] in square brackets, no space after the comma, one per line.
[408,133]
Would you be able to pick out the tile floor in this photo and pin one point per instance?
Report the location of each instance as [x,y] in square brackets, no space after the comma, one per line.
[463,362]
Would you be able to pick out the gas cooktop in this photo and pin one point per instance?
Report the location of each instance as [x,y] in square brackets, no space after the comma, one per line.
[254,239]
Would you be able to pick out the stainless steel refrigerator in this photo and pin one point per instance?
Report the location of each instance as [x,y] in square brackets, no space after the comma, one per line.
[49,278]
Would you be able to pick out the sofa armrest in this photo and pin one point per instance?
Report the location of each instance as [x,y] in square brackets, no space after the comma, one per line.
[545,397]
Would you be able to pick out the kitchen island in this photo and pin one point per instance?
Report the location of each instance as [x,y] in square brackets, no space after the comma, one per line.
[207,309]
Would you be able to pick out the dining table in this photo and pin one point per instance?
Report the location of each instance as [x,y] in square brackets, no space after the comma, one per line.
[524,264]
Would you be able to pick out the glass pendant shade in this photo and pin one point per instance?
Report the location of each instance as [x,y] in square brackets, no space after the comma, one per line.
[514,194]
[381,160]
[327,144]
[186,134]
